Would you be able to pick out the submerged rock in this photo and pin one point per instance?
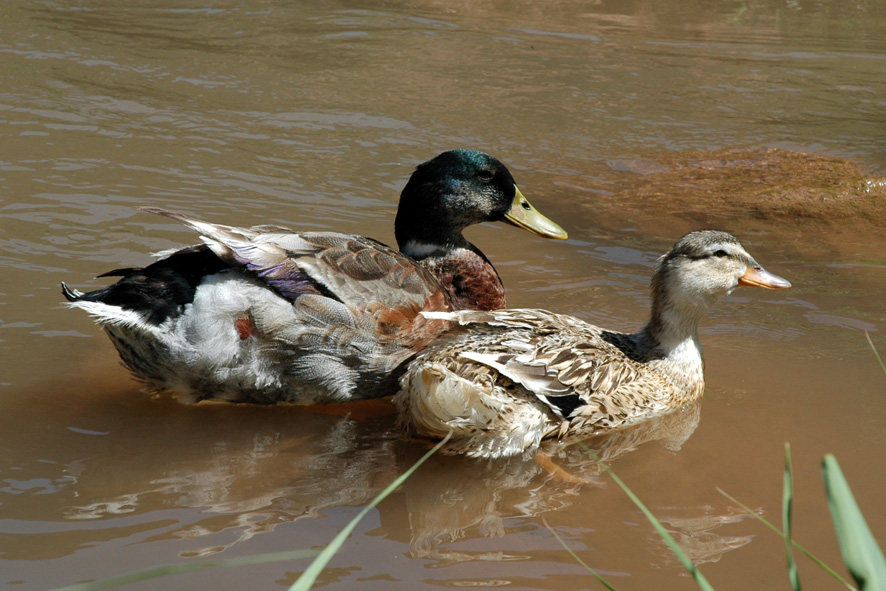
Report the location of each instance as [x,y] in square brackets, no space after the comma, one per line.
[812,201]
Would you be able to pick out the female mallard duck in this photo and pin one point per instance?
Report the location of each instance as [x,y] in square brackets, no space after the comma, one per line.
[504,380]
[268,315]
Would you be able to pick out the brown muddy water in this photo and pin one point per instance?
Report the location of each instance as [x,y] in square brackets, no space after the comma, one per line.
[628,122]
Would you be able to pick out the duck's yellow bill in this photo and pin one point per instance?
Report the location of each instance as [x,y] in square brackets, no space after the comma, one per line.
[523,215]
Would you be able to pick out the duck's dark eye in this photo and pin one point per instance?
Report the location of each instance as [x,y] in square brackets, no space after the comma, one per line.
[485,175]
[721,253]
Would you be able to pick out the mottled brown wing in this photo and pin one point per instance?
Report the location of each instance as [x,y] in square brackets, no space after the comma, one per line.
[383,290]
[562,360]
[353,267]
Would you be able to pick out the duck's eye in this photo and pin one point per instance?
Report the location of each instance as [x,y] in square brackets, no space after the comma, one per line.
[485,175]
[721,253]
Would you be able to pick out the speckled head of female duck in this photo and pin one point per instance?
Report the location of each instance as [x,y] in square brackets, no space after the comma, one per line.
[507,379]
[444,196]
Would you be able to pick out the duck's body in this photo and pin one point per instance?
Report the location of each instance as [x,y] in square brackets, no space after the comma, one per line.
[269,315]
[507,379]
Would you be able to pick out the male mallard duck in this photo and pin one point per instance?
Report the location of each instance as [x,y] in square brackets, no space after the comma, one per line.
[444,196]
[505,380]
[268,315]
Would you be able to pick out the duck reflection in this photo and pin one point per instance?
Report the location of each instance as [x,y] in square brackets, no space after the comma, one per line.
[272,470]
[456,496]
[693,529]
[246,470]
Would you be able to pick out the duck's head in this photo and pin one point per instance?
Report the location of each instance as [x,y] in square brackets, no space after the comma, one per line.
[701,268]
[456,189]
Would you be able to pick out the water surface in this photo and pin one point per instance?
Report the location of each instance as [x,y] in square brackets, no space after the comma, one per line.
[313,116]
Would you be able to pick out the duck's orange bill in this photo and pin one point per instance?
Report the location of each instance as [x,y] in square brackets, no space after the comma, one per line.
[757,276]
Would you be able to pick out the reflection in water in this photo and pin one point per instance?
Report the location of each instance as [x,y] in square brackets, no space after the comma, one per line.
[693,529]
[249,486]
[249,489]
[457,497]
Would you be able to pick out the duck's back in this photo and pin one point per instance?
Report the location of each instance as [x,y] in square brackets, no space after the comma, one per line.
[507,379]
[267,315]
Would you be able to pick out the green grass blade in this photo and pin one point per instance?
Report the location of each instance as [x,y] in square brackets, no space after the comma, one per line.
[687,563]
[786,513]
[577,558]
[178,569]
[862,555]
[309,576]
[874,349]
[806,552]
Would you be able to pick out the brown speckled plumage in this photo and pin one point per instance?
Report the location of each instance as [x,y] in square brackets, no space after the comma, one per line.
[505,380]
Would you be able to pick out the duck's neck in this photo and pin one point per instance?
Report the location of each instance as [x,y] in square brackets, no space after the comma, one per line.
[671,337]
[670,326]
[463,270]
